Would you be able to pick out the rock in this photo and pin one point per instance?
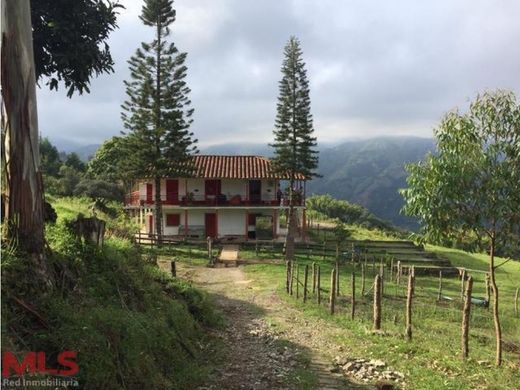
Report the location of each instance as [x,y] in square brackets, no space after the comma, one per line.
[377,363]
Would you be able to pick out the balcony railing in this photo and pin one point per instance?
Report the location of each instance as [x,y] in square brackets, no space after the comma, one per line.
[133,199]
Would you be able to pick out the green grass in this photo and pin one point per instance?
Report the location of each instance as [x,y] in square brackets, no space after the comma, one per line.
[132,325]
[432,359]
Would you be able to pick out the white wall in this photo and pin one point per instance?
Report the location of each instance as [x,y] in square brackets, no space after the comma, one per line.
[234,187]
[268,189]
[196,184]
[195,217]
[231,222]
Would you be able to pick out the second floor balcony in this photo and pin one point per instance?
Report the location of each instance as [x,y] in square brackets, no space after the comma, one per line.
[222,200]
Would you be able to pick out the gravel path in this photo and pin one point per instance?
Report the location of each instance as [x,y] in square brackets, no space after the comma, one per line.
[270,345]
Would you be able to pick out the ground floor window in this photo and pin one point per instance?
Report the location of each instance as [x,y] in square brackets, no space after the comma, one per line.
[173,219]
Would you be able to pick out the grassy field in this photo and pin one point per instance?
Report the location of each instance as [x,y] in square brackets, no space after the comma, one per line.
[432,359]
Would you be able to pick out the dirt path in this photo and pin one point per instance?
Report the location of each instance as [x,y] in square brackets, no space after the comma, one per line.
[270,345]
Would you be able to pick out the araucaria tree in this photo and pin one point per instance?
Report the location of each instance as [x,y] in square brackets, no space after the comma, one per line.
[471,186]
[294,144]
[157,113]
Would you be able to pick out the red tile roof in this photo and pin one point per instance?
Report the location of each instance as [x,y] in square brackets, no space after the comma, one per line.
[236,167]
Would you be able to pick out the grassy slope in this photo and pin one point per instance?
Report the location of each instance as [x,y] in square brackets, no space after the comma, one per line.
[132,325]
[432,359]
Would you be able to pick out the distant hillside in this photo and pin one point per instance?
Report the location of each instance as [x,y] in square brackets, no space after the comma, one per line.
[367,172]
[370,172]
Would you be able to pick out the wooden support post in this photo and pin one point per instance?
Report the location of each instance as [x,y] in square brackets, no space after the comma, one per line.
[516,302]
[256,248]
[332,297]
[465,318]
[173,268]
[210,247]
[363,280]
[318,284]
[377,302]
[314,278]
[409,296]
[287,275]
[297,281]
[462,282]
[305,279]
[353,283]
[439,295]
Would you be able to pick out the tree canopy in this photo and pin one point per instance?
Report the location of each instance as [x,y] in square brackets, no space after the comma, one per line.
[472,184]
[70,41]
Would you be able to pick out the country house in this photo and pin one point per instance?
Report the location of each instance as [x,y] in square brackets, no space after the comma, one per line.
[235,197]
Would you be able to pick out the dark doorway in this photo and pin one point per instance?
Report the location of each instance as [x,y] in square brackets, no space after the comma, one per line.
[210,221]
[212,189]
[172,191]
[255,191]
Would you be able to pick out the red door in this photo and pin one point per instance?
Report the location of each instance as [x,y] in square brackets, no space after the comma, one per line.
[210,220]
[212,190]
[172,191]
[149,193]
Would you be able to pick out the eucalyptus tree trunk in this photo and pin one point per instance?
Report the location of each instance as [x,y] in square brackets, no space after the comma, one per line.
[23,180]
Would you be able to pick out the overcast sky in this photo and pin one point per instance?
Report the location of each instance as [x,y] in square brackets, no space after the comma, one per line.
[375,67]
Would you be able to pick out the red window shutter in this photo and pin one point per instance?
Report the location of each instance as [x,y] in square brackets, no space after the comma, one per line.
[173,219]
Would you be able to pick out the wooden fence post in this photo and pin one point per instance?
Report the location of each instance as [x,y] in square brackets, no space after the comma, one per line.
[409,296]
[363,279]
[305,278]
[377,302]
[332,298]
[488,290]
[291,282]
[318,284]
[465,318]
[297,280]
[516,302]
[313,277]
[399,273]
[173,268]
[390,278]
[373,264]
[337,278]
[256,249]
[323,250]
[439,295]
[462,283]
[353,283]
[382,273]
[287,275]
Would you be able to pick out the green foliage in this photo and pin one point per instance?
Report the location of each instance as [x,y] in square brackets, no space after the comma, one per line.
[472,184]
[99,190]
[107,163]
[50,158]
[294,144]
[70,40]
[69,178]
[132,325]
[73,161]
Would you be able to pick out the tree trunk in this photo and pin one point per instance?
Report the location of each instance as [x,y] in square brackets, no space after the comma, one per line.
[496,318]
[289,239]
[23,181]
[158,211]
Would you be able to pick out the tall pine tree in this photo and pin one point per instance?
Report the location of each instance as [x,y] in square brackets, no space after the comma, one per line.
[294,144]
[157,113]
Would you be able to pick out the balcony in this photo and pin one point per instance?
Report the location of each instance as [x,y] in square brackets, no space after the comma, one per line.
[222,200]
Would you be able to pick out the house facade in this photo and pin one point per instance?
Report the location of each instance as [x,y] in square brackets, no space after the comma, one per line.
[227,197]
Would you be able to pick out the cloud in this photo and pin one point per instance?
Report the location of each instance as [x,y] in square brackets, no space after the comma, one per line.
[375,68]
